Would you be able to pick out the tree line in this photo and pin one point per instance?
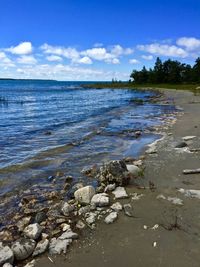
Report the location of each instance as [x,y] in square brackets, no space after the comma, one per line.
[169,71]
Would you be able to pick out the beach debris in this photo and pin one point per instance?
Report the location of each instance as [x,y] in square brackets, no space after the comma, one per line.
[100,200]
[189,137]
[6,255]
[113,172]
[33,231]
[145,227]
[154,244]
[191,171]
[134,170]
[120,192]
[23,248]
[116,206]
[111,217]
[41,247]
[84,194]
[50,259]
[173,200]
[128,210]
[193,193]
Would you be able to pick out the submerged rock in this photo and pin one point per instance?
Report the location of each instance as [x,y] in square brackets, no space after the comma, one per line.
[6,255]
[23,248]
[84,194]
[114,172]
[100,200]
[111,217]
[120,192]
[33,231]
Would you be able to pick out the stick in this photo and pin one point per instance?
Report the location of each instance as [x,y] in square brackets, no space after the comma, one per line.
[191,171]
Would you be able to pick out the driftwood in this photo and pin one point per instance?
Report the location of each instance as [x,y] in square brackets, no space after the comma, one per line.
[191,171]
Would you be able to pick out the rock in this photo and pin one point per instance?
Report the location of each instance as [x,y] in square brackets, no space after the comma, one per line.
[91,218]
[41,247]
[134,170]
[100,200]
[23,248]
[188,138]
[68,235]
[120,192]
[33,231]
[181,145]
[109,188]
[128,210]
[30,264]
[84,210]
[111,217]
[7,265]
[40,217]
[57,246]
[116,206]
[6,255]
[84,194]
[65,227]
[113,172]
[80,224]
[193,193]
[66,209]
[22,223]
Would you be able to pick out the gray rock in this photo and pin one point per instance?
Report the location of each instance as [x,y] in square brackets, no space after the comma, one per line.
[58,246]
[6,255]
[84,210]
[91,218]
[22,223]
[100,200]
[114,172]
[134,170]
[68,235]
[33,231]
[41,247]
[84,194]
[7,265]
[116,206]
[23,248]
[40,217]
[120,192]
[109,188]
[111,217]
[128,210]
[66,209]
[181,144]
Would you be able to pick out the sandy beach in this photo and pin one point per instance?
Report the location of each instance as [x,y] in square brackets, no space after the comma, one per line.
[164,229]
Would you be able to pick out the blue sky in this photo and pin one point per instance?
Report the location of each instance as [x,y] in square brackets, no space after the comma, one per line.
[94,40]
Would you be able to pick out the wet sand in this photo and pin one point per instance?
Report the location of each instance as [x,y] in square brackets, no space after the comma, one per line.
[176,241]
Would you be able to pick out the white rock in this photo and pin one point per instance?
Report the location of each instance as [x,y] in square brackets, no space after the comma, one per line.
[175,200]
[65,227]
[91,218]
[58,246]
[7,265]
[30,264]
[100,200]
[116,206]
[41,247]
[6,255]
[111,217]
[84,194]
[23,248]
[68,235]
[193,193]
[110,187]
[120,192]
[66,209]
[134,170]
[189,137]
[160,197]
[155,227]
[33,231]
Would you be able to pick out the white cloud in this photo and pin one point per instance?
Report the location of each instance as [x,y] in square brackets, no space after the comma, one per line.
[85,60]
[118,50]
[147,57]
[190,43]
[134,61]
[5,61]
[97,54]
[164,50]
[24,48]
[54,58]
[30,60]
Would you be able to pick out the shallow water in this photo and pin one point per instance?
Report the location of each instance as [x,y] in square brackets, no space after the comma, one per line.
[48,126]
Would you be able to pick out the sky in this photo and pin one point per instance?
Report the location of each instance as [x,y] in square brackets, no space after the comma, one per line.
[94,40]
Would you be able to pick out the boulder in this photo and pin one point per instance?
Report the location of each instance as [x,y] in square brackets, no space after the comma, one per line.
[113,172]
[84,194]
[23,248]
[134,170]
[120,192]
[41,247]
[111,217]
[100,200]
[33,231]
[6,255]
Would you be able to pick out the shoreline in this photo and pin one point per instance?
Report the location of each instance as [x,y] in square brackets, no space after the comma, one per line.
[159,247]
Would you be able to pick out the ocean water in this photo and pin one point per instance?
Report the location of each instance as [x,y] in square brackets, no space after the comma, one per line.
[49,126]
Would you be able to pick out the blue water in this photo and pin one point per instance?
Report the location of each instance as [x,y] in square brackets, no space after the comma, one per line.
[49,126]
